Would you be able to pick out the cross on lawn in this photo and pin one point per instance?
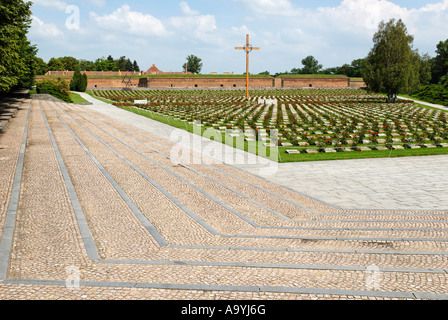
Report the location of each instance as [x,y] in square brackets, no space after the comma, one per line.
[248,48]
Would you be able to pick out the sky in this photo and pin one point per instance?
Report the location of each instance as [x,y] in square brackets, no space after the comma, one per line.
[165,32]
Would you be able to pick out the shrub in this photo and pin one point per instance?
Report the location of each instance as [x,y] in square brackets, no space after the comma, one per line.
[433,93]
[78,82]
[57,88]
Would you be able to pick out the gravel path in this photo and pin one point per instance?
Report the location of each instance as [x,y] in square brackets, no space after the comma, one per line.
[105,213]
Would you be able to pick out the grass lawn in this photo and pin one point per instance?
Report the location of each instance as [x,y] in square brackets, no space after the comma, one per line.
[283,156]
[76,98]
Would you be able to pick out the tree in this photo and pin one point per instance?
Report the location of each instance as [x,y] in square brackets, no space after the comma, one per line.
[70,63]
[78,82]
[103,64]
[86,65]
[345,69]
[194,64]
[17,55]
[310,65]
[56,65]
[357,68]
[440,62]
[135,66]
[41,66]
[129,66]
[389,66]
[121,63]
[28,55]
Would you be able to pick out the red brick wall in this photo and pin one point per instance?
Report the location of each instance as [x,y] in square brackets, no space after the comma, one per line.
[357,84]
[117,83]
[315,82]
[208,83]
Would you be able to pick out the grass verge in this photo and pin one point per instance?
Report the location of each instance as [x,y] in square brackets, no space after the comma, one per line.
[76,98]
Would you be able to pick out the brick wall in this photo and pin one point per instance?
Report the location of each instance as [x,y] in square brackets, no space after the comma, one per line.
[342,82]
[208,83]
[98,83]
[357,84]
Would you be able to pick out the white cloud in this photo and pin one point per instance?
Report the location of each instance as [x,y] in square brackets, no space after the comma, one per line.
[193,23]
[187,10]
[272,7]
[131,22]
[98,3]
[56,4]
[44,30]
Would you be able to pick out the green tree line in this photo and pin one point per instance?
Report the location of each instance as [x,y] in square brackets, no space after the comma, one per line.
[72,64]
[17,54]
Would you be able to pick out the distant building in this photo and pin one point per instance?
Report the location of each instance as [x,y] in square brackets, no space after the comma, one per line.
[155,71]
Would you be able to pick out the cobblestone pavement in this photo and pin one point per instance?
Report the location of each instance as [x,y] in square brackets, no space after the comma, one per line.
[94,208]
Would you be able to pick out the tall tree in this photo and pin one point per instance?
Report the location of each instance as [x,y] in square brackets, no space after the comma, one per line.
[86,65]
[41,66]
[310,65]
[357,68]
[121,63]
[78,82]
[194,64]
[70,63]
[135,66]
[440,62]
[56,65]
[129,65]
[17,55]
[389,66]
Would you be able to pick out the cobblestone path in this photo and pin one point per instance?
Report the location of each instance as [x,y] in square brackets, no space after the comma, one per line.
[93,208]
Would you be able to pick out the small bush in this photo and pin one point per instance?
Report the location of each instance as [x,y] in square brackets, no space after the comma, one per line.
[56,88]
[433,93]
[78,82]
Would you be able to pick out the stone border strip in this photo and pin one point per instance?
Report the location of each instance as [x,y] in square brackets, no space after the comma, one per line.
[245,236]
[174,286]
[89,243]
[151,229]
[241,216]
[255,186]
[11,214]
[199,220]
[395,252]
[290,189]
[269,265]
[372,229]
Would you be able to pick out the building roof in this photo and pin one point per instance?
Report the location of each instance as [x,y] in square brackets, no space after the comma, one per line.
[154,69]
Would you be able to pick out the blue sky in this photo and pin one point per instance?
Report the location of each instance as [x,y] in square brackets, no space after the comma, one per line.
[164,33]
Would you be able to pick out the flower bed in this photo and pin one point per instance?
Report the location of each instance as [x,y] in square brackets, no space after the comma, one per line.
[304,120]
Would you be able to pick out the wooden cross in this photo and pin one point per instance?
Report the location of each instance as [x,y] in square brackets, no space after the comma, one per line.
[248,48]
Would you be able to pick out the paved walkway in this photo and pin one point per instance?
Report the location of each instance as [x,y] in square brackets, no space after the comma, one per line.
[416,183]
[95,204]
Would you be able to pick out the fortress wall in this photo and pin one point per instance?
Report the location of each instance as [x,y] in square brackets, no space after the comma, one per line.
[162,82]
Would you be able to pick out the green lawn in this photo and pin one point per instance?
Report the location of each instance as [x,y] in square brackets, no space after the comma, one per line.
[283,156]
[76,98]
